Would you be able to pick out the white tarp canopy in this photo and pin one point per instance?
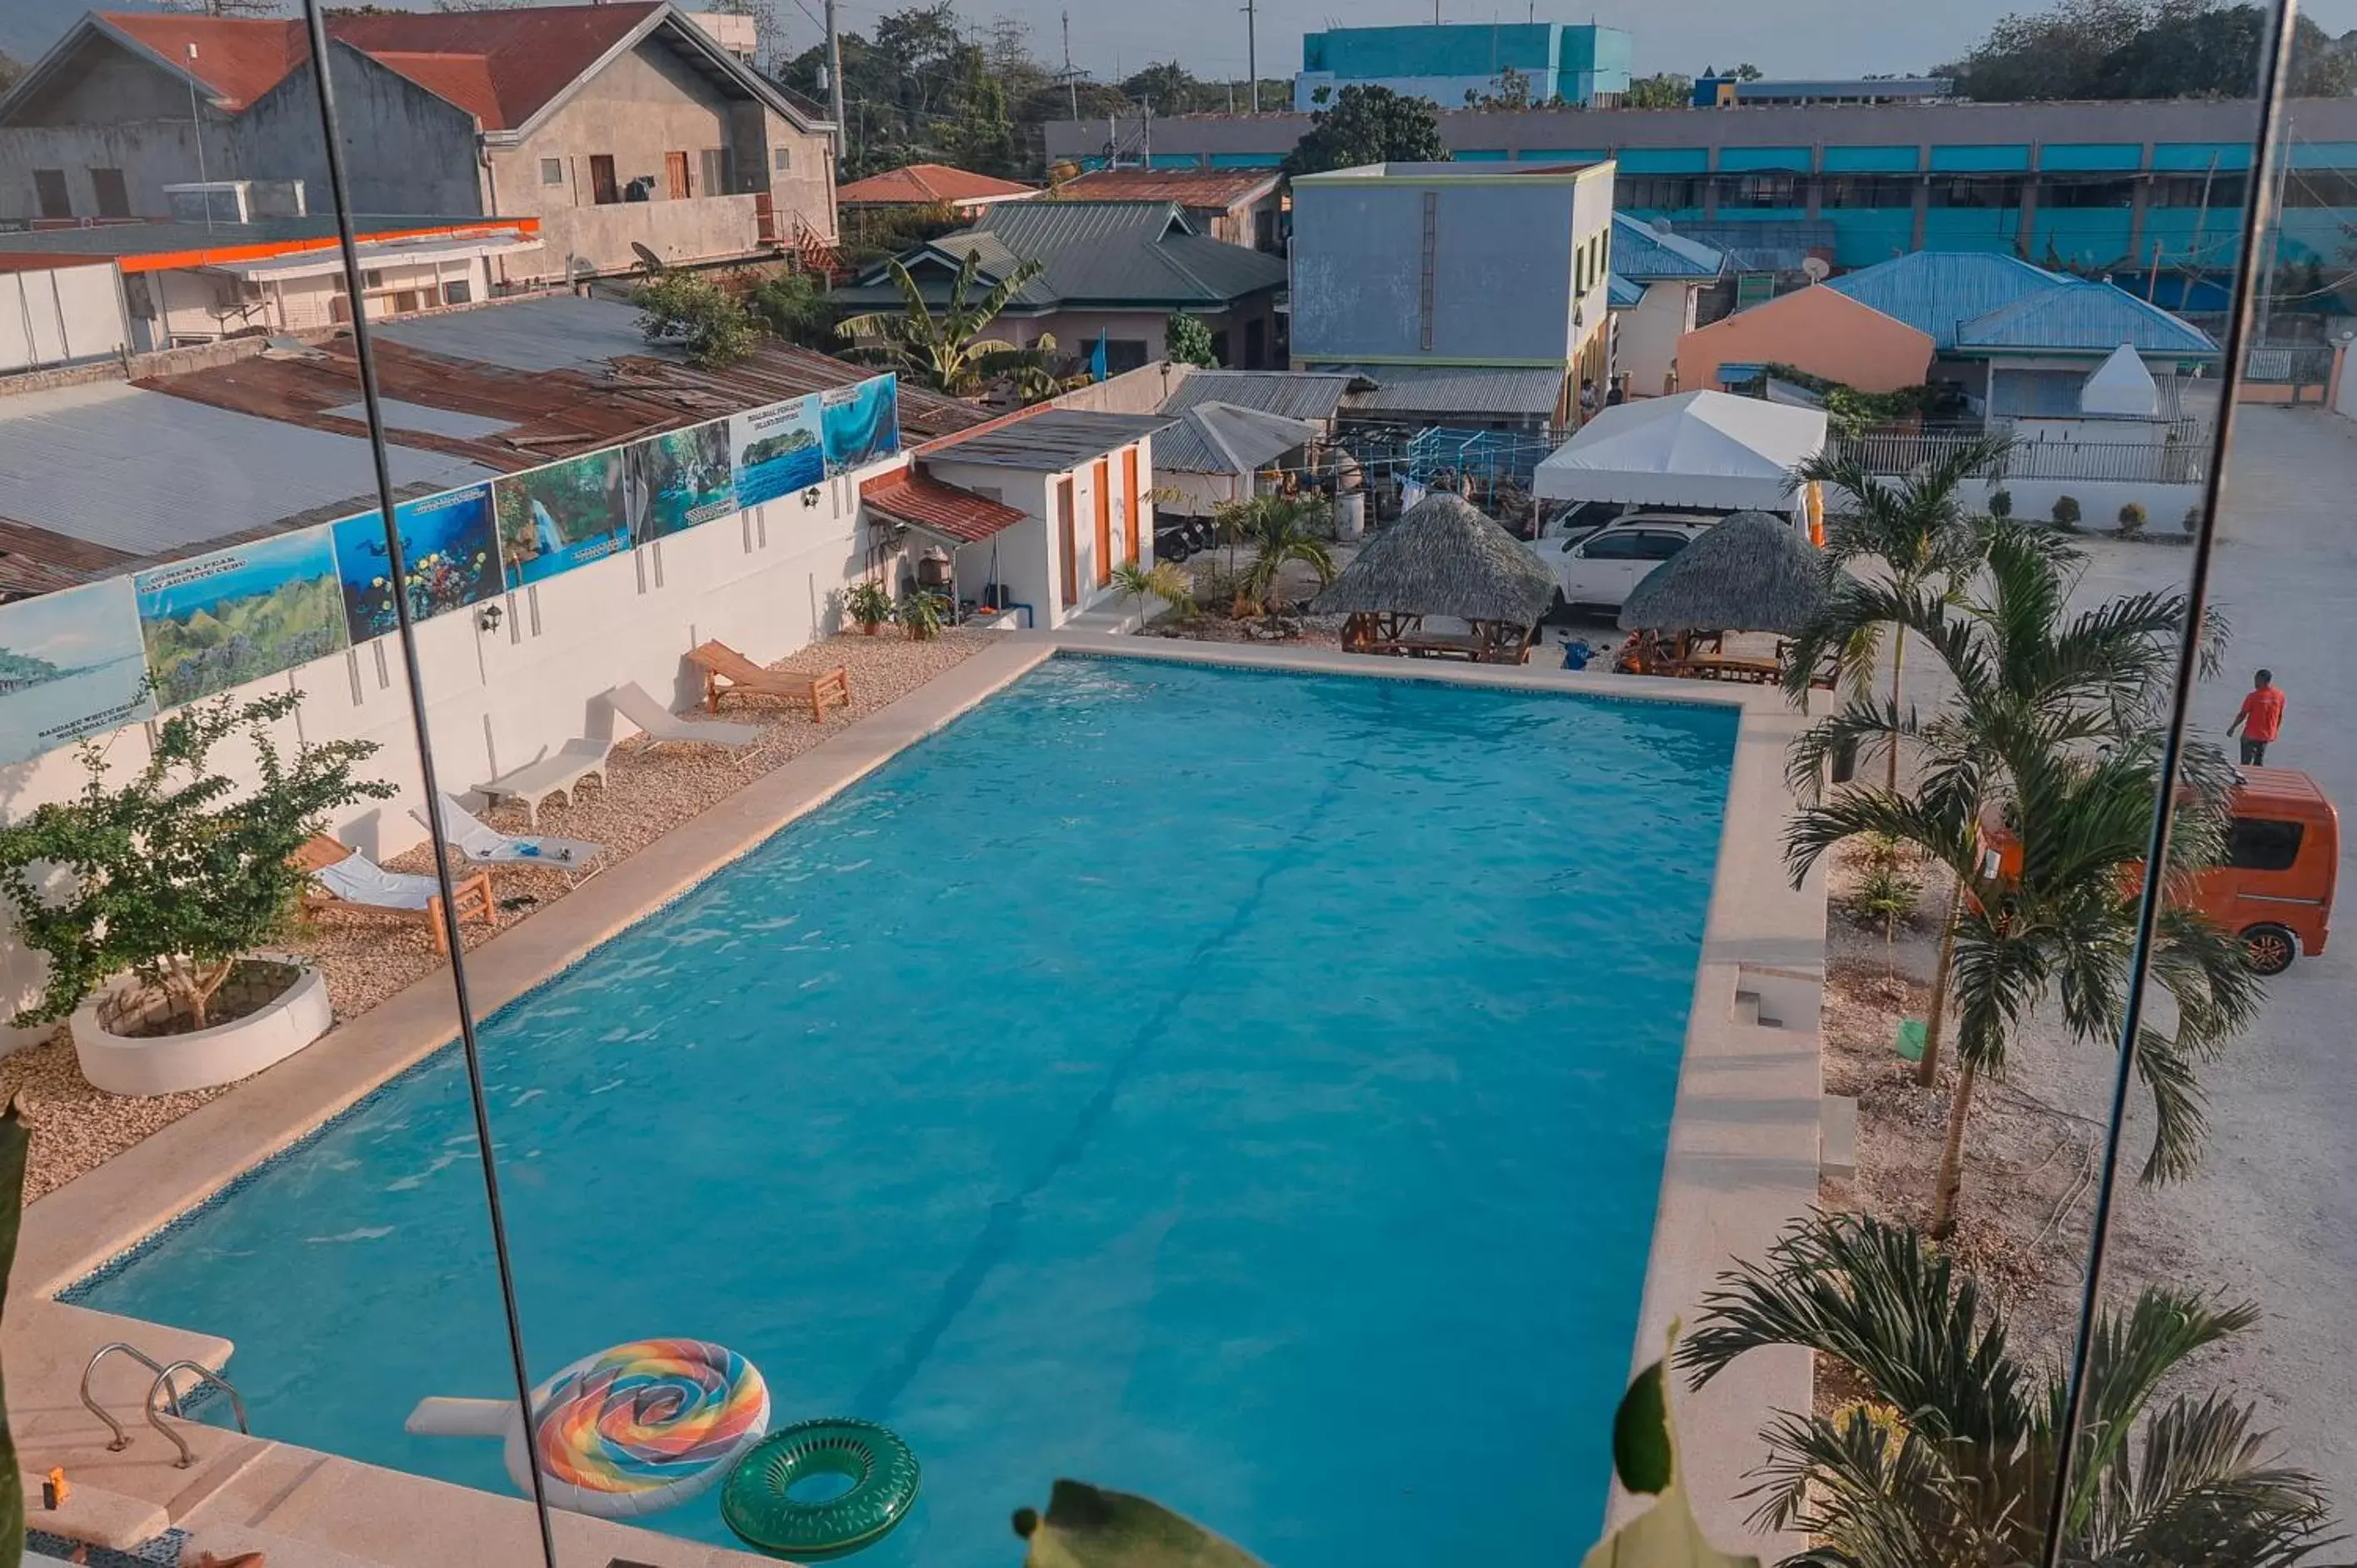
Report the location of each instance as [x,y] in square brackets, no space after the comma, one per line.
[1697,449]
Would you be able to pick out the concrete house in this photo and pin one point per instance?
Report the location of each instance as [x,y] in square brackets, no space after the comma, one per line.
[1244,207]
[1821,330]
[1657,280]
[1468,266]
[617,126]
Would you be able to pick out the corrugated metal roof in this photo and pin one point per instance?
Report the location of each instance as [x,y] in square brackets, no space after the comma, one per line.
[401,415]
[146,473]
[1187,187]
[1295,394]
[316,231]
[1093,253]
[1049,441]
[1643,254]
[554,333]
[1622,294]
[923,185]
[1450,390]
[1222,439]
[2087,318]
[1937,290]
[921,501]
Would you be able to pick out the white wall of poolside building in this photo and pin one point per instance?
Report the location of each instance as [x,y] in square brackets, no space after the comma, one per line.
[1026,555]
[767,581]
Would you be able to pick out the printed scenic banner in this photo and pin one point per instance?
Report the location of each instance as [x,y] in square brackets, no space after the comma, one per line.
[450,551]
[237,615]
[565,515]
[679,478]
[776,450]
[860,424]
[71,664]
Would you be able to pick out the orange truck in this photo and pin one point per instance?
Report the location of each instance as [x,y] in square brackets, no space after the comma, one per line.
[2283,855]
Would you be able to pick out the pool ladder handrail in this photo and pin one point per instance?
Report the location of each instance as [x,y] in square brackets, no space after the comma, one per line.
[163,1384]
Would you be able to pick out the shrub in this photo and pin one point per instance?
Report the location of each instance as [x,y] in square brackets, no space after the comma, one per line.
[702,317]
[2133,516]
[2192,523]
[2000,505]
[1187,341]
[922,613]
[2067,513]
[175,874]
[869,604]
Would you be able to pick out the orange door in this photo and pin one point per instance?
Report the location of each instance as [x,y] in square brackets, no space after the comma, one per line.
[1067,544]
[675,175]
[1129,501]
[1104,524]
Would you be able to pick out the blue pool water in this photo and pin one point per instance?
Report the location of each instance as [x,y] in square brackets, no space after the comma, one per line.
[1248,1090]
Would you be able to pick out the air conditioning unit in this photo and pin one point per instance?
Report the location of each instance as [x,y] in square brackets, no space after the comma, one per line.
[236,200]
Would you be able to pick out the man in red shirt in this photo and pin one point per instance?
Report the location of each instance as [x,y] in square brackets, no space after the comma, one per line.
[2260,720]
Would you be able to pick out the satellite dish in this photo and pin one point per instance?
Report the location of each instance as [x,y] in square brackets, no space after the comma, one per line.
[1816,269]
[647,258]
[1661,228]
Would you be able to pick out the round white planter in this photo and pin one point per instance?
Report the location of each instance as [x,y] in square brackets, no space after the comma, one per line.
[168,1064]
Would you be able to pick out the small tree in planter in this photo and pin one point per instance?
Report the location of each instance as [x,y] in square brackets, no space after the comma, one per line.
[923,613]
[2133,516]
[870,605]
[2067,513]
[174,876]
[2000,504]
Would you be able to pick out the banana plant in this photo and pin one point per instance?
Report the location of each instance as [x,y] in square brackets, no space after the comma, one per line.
[947,351]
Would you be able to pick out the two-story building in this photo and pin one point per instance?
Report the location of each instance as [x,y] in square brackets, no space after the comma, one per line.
[1459,269]
[1457,63]
[619,127]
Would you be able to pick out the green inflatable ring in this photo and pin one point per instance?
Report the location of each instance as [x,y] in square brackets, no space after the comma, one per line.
[882,1471]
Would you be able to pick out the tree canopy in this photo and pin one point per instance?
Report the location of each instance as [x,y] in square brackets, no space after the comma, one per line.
[1663,92]
[1369,126]
[2143,49]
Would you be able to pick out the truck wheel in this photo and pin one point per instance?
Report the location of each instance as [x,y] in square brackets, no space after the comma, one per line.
[2269,950]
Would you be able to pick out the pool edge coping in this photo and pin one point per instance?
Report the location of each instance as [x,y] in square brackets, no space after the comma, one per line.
[1752,911]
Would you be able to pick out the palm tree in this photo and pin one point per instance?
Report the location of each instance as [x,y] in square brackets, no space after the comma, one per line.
[2050,733]
[2013,655]
[947,351]
[1953,1461]
[1285,529]
[1915,527]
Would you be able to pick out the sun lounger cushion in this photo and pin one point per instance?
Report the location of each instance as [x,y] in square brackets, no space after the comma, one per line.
[361,880]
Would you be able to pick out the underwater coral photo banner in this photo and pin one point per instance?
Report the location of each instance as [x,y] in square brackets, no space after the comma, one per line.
[450,559]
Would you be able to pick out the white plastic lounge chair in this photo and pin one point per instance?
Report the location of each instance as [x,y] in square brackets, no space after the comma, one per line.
[346,881]
[559,772]
[484,845]
[663,727]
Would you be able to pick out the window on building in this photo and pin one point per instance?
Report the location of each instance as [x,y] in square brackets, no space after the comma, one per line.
[1664,193]
[552,171]
[405,301]
[1219,349]
[605,190]
[2318,187]
[2259,845]
[1856,191]
[2001,190]
[1759,190]
[373,278]
[49,192]
[782,160]
[1124,354]
[113,195]
[2087,193]
[2197,190]
[1255,345]
[459,291]
[714,170]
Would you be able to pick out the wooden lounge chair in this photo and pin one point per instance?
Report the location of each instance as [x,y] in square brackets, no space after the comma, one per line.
[559,772]
[345,881]
[663,727]
[725,671]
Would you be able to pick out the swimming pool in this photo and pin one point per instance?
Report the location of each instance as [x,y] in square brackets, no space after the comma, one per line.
[1246,1089]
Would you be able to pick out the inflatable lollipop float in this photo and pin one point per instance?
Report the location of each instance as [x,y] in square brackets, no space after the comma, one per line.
[646,1426]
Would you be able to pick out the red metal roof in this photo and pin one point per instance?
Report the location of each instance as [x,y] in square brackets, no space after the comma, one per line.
[909,497]
[925,185]
[525,57]
[1187,187]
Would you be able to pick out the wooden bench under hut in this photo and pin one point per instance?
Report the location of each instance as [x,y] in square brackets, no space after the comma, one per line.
[1442,560]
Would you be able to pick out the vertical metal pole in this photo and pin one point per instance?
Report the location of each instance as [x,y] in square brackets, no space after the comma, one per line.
[197,127]
[1252,58]
[1071,82]
[2273,70]
[834,81]
[396,568]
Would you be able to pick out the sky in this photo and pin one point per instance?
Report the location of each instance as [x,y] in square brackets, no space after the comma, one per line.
[1113,38]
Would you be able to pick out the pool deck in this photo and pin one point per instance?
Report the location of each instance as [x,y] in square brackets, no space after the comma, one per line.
[1742,1159]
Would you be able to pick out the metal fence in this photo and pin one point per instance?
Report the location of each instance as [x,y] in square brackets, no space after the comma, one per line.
[2179,459]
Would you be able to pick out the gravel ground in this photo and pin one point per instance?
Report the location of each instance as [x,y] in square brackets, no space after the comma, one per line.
[76,1128]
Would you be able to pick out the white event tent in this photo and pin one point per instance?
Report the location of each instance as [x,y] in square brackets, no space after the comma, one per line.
[1701,449]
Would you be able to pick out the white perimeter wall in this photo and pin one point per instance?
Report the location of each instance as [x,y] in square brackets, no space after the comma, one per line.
[767,581]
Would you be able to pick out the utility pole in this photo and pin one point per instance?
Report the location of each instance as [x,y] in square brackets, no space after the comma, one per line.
[1252,58]
[196,128]
[834,82]
[1071,82]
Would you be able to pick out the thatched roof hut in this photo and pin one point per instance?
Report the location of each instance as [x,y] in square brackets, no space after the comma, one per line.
[1443,558]
[1751,573]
